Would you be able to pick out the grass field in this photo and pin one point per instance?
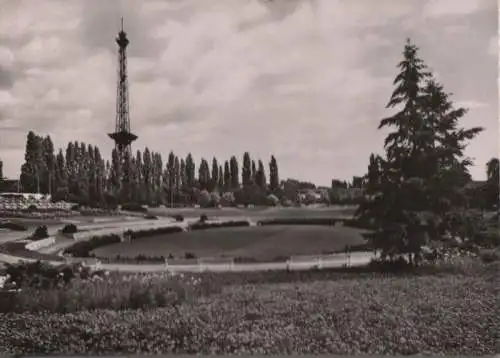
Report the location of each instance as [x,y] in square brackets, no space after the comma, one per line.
[260,243]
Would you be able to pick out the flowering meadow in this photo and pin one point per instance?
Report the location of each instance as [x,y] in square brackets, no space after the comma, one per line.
[448,312]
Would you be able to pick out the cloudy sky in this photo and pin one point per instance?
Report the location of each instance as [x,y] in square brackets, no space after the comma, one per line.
[305,80]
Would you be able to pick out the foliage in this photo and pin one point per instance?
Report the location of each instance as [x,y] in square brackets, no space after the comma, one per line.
[84,248]
[42,276]
[150,217]
[178,218]
[69,229]
[134,207]
[41,232]
[14,226]
[273,200]
[205,199]
[215,199]
[81,174]
[227,199]
[491,189]
[308,313]
[137,234]
[300,221]
[412,189]
[202,225]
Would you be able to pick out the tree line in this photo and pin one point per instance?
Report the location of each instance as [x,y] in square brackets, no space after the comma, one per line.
[81,174]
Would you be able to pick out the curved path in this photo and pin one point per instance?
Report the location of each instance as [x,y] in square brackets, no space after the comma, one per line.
[119,226]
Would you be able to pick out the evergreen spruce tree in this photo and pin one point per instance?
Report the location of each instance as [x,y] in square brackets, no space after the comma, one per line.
[411,190]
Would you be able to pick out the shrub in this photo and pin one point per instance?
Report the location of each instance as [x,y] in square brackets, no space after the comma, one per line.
[299,221]
[84,248]
[13,226]
[189,255]
[178,218]
[153,232]
[43,276]
[273,200]
[227,199]
[69,229]
[134,207]
[357,223]
[32,208]
[203,225]
[40,233]
[204,199]
[490,255]
[215,199]
[203,218]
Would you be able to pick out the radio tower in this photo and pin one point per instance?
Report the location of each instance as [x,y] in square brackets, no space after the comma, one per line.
[122,135]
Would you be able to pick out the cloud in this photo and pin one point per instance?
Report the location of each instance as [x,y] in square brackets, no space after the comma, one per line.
[439,8]
[306,80]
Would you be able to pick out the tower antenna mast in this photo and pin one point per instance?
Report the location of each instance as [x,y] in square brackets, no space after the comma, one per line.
[122,136]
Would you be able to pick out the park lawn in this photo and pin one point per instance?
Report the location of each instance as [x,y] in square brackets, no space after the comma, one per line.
[260,243]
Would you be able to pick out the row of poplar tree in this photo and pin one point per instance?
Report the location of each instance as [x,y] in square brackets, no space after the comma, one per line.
[83,175]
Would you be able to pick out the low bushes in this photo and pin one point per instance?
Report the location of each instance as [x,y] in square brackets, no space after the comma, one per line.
[357,224]
[41,275]
[152,232]
[13,226]
[299,221]
[134,208]
[150,217]
[40,233]
[84,248]
[490,255]
[178,218]
[205,225]
[69,229]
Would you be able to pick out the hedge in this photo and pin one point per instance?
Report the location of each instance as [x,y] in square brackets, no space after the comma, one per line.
[152,232]
[13,226]
[84,248]
[300,221]
[134,207]
[204,225]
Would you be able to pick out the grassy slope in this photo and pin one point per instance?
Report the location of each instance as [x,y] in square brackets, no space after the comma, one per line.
[265,242]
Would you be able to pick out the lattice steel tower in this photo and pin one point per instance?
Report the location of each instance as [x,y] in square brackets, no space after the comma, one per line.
[122,135]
